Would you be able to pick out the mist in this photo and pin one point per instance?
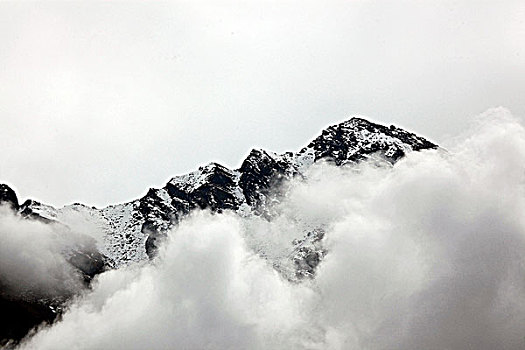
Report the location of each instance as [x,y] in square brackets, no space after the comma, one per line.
[33,259]
[427,253]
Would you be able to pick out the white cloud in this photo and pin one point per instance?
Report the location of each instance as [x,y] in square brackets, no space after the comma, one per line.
[427,254]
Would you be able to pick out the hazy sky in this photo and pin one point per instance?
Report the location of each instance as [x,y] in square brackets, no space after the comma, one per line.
[99,101]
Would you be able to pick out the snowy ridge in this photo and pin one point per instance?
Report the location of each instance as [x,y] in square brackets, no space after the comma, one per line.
[131,232]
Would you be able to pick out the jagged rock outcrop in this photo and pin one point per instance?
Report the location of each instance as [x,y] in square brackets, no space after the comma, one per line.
[8,197]
[308,253]
[261,172]
[357,139]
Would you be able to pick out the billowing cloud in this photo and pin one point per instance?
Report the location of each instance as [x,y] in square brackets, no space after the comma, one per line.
[425,254]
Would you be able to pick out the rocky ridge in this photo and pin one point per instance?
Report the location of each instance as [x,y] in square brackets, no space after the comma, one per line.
[131,231]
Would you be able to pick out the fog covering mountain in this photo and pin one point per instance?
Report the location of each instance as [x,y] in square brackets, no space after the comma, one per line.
[353,242]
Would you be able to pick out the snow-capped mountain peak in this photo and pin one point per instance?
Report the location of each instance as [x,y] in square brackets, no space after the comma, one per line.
[130,231]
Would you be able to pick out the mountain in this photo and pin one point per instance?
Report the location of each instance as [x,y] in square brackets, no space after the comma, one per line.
[132,231]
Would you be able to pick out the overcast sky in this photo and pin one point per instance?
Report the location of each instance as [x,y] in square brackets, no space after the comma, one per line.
[99,101]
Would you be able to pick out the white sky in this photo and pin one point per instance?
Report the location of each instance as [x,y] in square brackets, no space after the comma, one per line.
[99,101]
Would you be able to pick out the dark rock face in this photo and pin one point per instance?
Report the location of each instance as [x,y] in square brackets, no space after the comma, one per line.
[8,197]
[212,187]
[19,315]
[357,138]
[27,212]
[89,262]
[217,191]
[261,172]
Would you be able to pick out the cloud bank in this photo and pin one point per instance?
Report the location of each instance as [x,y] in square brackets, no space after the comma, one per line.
[425,254]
